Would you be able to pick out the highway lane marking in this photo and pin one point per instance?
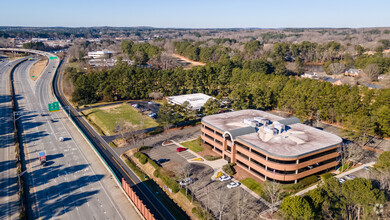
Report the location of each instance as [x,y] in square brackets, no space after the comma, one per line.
[103,146]
[35,192]
[124,170]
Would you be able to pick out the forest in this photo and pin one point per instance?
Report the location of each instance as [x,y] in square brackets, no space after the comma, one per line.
[253,84]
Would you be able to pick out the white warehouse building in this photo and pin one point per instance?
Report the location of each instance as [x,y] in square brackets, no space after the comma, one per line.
[99,54]
[196,100]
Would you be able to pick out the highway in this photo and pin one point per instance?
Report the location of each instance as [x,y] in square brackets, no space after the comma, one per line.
[66,187]
[9,203]
[120,169]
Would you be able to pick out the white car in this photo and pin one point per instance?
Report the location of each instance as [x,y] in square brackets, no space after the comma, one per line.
[224,178]
[185,182]
[232,185]
[341,180]
[350,177]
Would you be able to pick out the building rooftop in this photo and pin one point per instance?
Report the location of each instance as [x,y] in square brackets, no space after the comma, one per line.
[196,100]
[274,135]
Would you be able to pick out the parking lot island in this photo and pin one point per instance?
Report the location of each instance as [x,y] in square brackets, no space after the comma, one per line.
[271,147]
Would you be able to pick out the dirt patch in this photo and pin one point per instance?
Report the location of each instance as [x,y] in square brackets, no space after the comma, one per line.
[109,108]
[38,67]
[188,63]
[207,151]
[242,174]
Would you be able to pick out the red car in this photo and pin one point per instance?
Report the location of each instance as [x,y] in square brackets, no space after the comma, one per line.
[180,149]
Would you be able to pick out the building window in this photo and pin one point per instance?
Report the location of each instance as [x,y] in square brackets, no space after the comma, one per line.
[207,128]
[218,133]
[258,153]
[243,164]
[217,141]
[282,161]
[284,172]
[209,136]
[243,155]
[258,163]
[218,150]
[317,165]
[258,173]
[242,146]
[318,155]
[228,149]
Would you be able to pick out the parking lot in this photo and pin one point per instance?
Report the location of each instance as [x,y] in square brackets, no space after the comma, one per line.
[145,106]
[211,193]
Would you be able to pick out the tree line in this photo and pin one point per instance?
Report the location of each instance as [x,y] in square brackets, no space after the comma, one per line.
[257,84]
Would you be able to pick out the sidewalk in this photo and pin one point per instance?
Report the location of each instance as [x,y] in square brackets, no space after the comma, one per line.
[337,176]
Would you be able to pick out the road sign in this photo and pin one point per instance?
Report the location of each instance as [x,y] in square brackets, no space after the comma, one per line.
[53,107]
[32,76]
[53,58]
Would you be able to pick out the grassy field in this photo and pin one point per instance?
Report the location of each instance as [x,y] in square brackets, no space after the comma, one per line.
[193,145]
[253,185]
[106,117]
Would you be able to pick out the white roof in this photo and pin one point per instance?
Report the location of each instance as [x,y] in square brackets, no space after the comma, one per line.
[196,100]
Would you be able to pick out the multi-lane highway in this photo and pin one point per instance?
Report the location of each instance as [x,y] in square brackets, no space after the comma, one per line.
[9,203]
[66,187]
[120,169]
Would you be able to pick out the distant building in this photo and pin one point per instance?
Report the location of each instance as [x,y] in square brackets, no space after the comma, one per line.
[310,75]
[373,86]
[333,81]
[271,147]
[196,100]
[353,72]
[100,54]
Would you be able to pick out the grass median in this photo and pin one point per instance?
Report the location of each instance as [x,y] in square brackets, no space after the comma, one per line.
[193,145]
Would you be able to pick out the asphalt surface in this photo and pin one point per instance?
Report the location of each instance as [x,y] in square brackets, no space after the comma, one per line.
[9,203]
[66,187]
[113,160]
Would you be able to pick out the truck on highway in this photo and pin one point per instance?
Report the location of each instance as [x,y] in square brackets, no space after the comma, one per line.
[42,157]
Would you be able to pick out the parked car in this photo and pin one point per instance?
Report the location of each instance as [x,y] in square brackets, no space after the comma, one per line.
[350,177]
[152,115]
[150,103]
[160,161]
[233,185]
[186,182]
[135,105]
[180,149]
[61,139]
[341,180]
[224,178]
[366,168]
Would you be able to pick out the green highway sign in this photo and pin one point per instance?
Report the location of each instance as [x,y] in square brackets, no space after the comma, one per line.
[32,76]
[53,58]
[53,107]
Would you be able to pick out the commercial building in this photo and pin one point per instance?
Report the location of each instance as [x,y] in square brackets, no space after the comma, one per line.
[99,54]
[271,147]
[196,101]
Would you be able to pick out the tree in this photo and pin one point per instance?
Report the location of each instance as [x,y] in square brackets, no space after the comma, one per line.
[336,68]
[372,71]
[359,196]
[184,172]
[273,191]
[296,208]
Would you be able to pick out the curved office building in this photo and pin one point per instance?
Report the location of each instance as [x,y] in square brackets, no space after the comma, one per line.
[271,147]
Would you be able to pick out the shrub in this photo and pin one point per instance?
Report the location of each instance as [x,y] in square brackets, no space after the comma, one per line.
[136,170]
[156,173]
[112,144]
[326,176]
[156,131]
[228,168]
[199,212]
[137,154]
[308,180]
[143,148]
[171,183]
[211,158]
[143,158]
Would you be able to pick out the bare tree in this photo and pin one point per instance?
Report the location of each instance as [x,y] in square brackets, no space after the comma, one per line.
[273,191]
[184,172]
[336,68]
[220,202]
[372,71]
[156,95]
[352,152]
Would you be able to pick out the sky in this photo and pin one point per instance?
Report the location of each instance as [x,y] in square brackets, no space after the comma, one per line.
[196,13]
